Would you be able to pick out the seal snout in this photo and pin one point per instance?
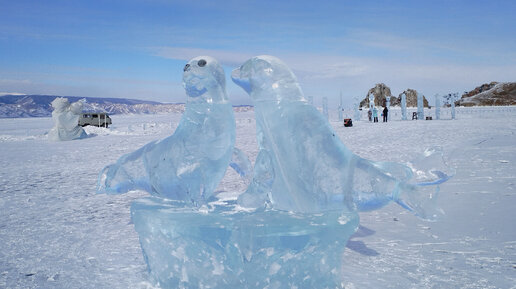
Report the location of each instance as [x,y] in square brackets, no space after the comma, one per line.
[236,76]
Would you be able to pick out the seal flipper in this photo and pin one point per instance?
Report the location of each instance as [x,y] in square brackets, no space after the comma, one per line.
[258,192]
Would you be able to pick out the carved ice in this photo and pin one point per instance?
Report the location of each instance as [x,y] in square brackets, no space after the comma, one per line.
[420,107]
[290,227]
[66,120]
[188,165]
[302,165]
[437,106]
[221,247]
[403,106]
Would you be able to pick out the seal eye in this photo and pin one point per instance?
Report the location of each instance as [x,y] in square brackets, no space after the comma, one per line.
[186,67]
[201,63]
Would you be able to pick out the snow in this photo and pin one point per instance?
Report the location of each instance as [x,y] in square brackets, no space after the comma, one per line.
[56,232]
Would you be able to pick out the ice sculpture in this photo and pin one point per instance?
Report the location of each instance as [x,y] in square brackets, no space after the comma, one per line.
[325,107]
[341,115]
[289,229]
[437,106]
[453,98]
[388,105]
[302,166]
[357,109]
[420,108]
[188,165]
[403,106]
[66,120]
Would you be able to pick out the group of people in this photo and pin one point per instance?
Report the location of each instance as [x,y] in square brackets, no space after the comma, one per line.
[373,115]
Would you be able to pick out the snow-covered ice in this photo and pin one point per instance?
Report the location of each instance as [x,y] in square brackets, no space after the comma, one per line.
[66,120]
[56,232]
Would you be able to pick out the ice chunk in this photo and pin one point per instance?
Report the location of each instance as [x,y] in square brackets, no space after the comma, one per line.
[302,165]
[223,248]
[66,120]
[187,165]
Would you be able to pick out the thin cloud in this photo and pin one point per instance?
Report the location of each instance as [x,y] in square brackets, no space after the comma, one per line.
[225,57]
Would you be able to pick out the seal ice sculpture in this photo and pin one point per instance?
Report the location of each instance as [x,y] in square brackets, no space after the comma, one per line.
[66,120]
[188,165]
[303,166]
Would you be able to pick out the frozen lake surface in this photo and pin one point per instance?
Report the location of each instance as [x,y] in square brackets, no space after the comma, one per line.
[56,232]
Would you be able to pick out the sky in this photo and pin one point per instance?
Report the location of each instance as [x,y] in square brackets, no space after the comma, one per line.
[137,48]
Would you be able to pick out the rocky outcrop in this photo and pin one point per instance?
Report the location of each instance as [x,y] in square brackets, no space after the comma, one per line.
[381,92]
[491,94]
[412,98]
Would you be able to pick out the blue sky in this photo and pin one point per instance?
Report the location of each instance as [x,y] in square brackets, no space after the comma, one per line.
[137,49]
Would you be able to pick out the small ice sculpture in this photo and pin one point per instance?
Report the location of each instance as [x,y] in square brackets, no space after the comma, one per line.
[357,109]
[437,106]
[420,107]
[66,120]
[325,107]
[188,165]
[388,105]
[453,98]
[403,106]
[302,165]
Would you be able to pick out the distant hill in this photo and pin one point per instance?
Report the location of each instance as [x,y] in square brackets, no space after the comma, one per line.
[490,94]
[12,106]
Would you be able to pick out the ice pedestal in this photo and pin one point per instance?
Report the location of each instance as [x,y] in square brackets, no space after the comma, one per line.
[220,247]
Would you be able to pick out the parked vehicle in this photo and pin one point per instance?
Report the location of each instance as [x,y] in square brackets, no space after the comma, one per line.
[100,119]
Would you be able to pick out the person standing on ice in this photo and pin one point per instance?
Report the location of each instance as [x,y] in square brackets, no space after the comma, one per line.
[375,114]
[385,113]
[369,114]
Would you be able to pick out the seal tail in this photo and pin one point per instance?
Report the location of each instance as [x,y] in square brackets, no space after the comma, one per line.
[414,187]
[420,194]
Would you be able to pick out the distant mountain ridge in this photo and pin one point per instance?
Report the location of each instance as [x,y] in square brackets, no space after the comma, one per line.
[12,106]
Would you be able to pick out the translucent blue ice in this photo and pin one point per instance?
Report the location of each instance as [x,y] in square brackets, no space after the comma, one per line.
[403,106]
[66,120]
[188,165]
[242,165]
[303,166]
[219,247]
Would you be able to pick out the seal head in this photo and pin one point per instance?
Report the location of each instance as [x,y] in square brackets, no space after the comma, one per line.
[204,80]
[265,78]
